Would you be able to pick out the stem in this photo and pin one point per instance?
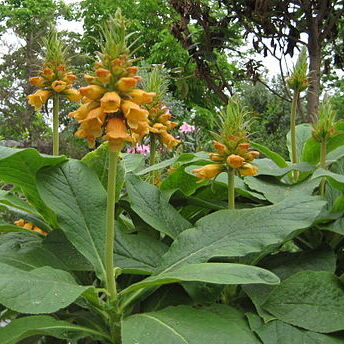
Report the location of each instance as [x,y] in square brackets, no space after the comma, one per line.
[152,155]
[110,225]
[293,116]
[231,191]
[56,108]
[322,165]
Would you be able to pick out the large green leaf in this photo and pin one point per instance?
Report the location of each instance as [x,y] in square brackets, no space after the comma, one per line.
[19,167]
[313,300]
[186,325]
[41,290]
[75,194]
[279,332]
[10,200]
[276,158]
[335,179]
[45,325]
[275,191]
[217,273]
[267,168]
[138,253]
[153,207]
[232,233]
[285,265]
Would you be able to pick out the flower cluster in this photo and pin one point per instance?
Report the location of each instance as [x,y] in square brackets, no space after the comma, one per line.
[233,152]
[234,156]
[112,103]
[139,149]
[186,128]
[54,78]
[30,226]
[160,123]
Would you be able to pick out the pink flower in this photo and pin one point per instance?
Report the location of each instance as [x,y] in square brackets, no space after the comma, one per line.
[187,128]
[140,149]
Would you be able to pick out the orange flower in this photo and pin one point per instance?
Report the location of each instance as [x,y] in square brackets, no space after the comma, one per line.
[92,92]
[83,110]
[208,171]
[132,71]
[37,81]
[133,113]
[58,85]
[220,148]
[126,84]
[110,102]
[141,97]
[39,98]
[116,134]
[20,223]
[95,118]
[248,170]
[89,78]
[30,226]
[103,75]
[252,155]
[73,95]
[216,157]
[243,147]
[90,131]
[69,78]
[168,140]
[140,131]
[48,73]
[235,161]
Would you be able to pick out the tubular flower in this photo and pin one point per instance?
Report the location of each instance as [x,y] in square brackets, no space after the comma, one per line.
[38,98]
[58,86]
[141,97]
[116,134]
[93,92]
[110,102]
[29,225]
[208,171]
[235,161]
[37,81]
[73,95]
[248,170]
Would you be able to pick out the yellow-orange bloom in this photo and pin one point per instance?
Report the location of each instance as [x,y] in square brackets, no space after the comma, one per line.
[38,98]
[110,102]
[92,91]
[89,78]
[141,97]
[235,161]
[58,85]
[140,131]
[73,95]
[116,134]
[37,81]
[126,84]
[252,155]
[69,78]
[133,113]
[243,147]
[220,148]
[48,73]
[216,157]
[95,118]
[30,226]
[168,140]
[90,131]
[208,171]
[83,110]
[20,223]
[248,170]
[103,75]
[132,70]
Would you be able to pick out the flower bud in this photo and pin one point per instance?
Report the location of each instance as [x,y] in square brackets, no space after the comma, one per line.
[248,170]
[58,86]
[126,84]
[37,81]
[92,92]
[235,161]
[208,171]
[141,97]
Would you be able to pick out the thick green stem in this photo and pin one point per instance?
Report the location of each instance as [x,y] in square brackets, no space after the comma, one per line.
[110,225]
[152,155]
[322,165]
[56,109]
[293,116]
[231,190]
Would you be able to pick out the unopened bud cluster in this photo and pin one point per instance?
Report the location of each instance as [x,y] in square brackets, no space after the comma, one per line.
[234,155]
[53,78]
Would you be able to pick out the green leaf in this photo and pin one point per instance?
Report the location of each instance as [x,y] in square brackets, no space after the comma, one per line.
[133,162]
[232,233]
[26,327]
[276,191]
[276,158]
[335,179]
[41,290]
[75,194]
[137,253]
[317,294]
[303,133]
[217,273]
[9,200]
[186,325]
[279,332]
[6,227]
[267,168]
[153,207]
[19,167]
